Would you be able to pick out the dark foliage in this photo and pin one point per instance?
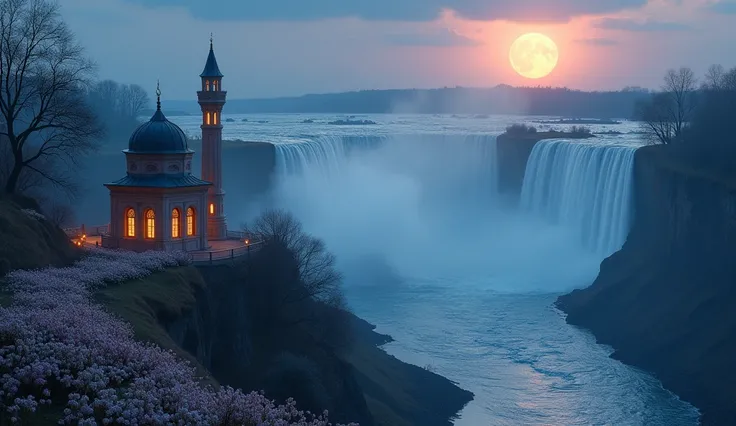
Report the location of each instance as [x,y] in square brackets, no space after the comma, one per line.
[711,138]
[304,286]
[298,377]
[520,129]
[580,130]
[502,99]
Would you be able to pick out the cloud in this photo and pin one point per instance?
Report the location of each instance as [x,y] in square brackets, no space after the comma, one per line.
[597,41]
[394,10]
[639,26]
[724,7]
[441,38]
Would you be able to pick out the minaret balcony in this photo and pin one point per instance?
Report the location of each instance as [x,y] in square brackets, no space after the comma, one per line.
[214,97]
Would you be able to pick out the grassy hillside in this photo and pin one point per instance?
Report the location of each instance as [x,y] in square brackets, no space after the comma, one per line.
[28,241]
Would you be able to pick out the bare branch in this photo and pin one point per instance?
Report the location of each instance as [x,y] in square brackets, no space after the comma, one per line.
[45,119]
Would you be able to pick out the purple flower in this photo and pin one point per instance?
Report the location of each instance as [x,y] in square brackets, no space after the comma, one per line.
[57,343]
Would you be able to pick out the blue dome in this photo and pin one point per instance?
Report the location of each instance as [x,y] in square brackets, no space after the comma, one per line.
[158,136]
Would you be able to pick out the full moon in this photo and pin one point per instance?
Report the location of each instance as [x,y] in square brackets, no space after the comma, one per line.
[533,55]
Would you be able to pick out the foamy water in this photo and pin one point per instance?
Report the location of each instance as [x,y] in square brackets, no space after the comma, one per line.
[463,282]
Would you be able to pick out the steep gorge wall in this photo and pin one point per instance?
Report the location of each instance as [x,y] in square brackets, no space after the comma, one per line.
[513,153]
[665,301]
[202,314]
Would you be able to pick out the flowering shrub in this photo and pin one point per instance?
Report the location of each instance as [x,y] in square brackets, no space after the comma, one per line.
[58,347]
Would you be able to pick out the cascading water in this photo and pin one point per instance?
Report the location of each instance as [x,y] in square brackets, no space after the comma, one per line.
[438,160]
[584,185]
[466,287]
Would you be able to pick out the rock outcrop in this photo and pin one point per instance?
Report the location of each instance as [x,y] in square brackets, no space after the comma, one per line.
[665,301]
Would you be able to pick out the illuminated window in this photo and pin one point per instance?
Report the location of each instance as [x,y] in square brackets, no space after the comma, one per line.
[130,223]
[214,114]
[212,208]
[175,232]
[190,221]
[214,85]
[150,224]
[207,121]
[207,85]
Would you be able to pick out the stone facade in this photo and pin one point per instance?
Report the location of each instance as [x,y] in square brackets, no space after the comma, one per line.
[187,232]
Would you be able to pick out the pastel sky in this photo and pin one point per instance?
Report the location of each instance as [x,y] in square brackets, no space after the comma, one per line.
[270,48]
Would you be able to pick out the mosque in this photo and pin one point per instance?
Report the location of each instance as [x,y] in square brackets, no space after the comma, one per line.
[159,204]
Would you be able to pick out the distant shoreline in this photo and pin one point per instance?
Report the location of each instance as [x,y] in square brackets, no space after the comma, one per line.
[499,100]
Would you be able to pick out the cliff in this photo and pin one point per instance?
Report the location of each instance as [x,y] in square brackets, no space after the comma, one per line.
[665,301]
[209,316]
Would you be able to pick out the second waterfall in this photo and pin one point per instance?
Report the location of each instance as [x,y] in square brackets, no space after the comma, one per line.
[586,186]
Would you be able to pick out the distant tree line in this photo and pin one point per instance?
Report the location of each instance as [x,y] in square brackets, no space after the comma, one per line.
[502,99]
[117,106]
[696,119]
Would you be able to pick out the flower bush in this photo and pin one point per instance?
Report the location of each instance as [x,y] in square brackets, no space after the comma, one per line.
[58,347]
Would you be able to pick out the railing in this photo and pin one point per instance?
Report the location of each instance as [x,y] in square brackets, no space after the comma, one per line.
[91,231]
[210,257]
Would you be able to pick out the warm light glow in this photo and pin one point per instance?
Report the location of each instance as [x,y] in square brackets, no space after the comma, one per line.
[175,224]
[190,221]
[208,118]
[207,85]
[150,224]
[533,55]
[215,118]
[212,208]
[247,242]
[130,223]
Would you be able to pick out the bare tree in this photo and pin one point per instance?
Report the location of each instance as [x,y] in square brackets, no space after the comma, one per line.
[133,99]
[729,80]
[713,79]
[302,285]
[667,113]
[43,77]
[317,274]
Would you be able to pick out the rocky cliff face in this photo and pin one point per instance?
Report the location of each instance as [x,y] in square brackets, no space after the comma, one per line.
[219,331]
[202,314]
[665,300]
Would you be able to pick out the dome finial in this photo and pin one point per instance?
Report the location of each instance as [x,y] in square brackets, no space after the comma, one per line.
[158,95]
[211,41]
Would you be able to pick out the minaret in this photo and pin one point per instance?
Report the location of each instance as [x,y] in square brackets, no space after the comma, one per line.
[211,99]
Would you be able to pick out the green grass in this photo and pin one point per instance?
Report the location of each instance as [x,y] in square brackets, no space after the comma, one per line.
[29,243]
[150,302]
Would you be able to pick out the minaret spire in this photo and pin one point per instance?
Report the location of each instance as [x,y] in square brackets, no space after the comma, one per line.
[211,100]
[158,95]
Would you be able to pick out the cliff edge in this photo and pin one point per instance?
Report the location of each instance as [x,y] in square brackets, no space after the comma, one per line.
[665,301]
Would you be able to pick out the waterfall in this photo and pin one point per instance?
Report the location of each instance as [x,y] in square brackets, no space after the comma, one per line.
[584,185]
[465,162]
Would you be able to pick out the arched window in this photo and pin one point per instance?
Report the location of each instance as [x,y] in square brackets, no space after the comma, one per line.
[215,83]
[175,229]
[150,224]
[190,221]
[130,223]
[207,85]
[215,118]
[207,121]
[212,208]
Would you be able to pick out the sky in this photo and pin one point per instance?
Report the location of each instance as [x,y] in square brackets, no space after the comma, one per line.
[272,48]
